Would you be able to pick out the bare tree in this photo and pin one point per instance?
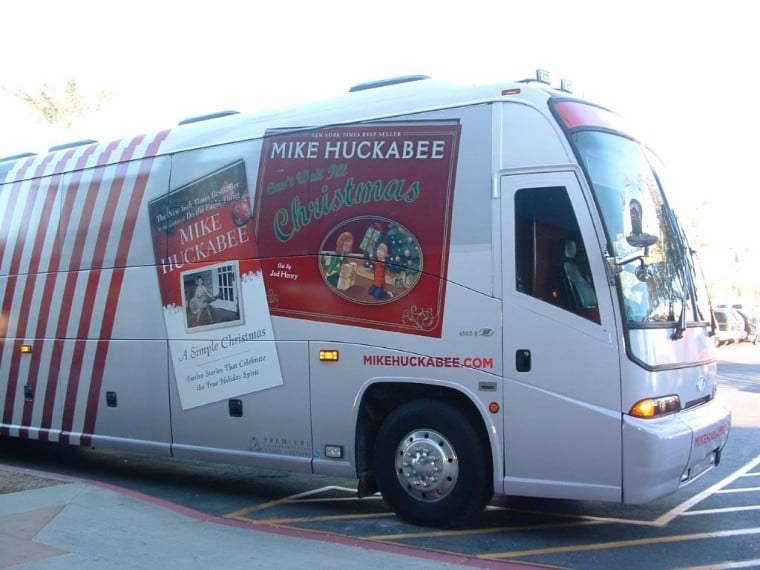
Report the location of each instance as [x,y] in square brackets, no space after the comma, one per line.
[61,106]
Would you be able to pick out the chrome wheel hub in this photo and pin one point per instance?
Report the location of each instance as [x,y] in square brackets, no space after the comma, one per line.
[426,465]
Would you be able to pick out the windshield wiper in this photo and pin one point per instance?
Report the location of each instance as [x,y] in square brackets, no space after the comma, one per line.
[684,268]
[681,324]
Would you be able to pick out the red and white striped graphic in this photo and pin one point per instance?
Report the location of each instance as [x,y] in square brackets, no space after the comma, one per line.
[66,225]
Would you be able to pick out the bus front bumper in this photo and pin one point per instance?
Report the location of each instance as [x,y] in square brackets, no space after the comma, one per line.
[660,455]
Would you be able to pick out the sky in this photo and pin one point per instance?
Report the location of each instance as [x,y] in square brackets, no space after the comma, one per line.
[684,72]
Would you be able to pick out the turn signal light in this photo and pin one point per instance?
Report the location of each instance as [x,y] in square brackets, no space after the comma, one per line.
[329,355]
[656,407]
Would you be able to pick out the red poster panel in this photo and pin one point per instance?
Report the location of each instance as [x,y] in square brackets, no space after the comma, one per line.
[200,225]
[352,223]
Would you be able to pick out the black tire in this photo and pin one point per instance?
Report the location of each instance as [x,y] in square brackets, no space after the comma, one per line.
[431,465]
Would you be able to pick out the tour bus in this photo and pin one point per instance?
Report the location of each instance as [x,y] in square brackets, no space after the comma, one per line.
[445,292]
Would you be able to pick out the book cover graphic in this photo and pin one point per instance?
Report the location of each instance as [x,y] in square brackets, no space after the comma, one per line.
[212,289]
[353,223]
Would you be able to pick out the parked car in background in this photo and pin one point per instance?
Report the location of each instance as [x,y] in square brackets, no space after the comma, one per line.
[750,324]
[730,326]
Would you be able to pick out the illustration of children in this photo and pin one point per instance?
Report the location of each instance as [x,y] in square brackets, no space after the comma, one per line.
[377,290]
[334,263]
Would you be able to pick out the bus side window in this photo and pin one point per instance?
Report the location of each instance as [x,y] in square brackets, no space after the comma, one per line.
[550,258]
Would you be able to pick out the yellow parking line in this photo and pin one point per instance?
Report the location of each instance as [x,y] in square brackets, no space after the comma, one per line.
[610,520]
[293,520]
[288,499]
[239,514]
[468,532]
[621,544]
[336,499]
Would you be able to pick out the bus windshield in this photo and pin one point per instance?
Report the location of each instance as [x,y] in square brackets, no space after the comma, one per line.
[656,276]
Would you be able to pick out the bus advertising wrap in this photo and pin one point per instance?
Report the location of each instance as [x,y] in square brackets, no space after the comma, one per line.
[351,226]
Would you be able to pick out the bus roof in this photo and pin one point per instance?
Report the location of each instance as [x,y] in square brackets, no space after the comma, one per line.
[367,102]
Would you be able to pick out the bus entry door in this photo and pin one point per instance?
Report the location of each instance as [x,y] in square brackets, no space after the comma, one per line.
[562,419]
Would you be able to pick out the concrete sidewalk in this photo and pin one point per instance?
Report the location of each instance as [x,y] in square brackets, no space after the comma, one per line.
[79,524]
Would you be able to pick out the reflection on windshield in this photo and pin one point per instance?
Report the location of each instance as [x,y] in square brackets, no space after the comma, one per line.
[646,241]
[655,300]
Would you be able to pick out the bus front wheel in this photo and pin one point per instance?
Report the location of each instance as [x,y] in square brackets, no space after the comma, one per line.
[431,464]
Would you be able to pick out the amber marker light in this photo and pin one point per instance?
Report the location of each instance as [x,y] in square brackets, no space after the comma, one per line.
[493,407]
[26,349]
[514,91]
[329,355]
[656,407]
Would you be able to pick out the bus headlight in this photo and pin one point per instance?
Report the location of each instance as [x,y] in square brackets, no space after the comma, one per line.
[656,407]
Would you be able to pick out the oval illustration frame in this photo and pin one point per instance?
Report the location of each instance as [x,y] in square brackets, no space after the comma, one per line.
[370,260]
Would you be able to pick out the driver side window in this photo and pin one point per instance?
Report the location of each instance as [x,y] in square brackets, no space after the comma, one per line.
[550,259]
